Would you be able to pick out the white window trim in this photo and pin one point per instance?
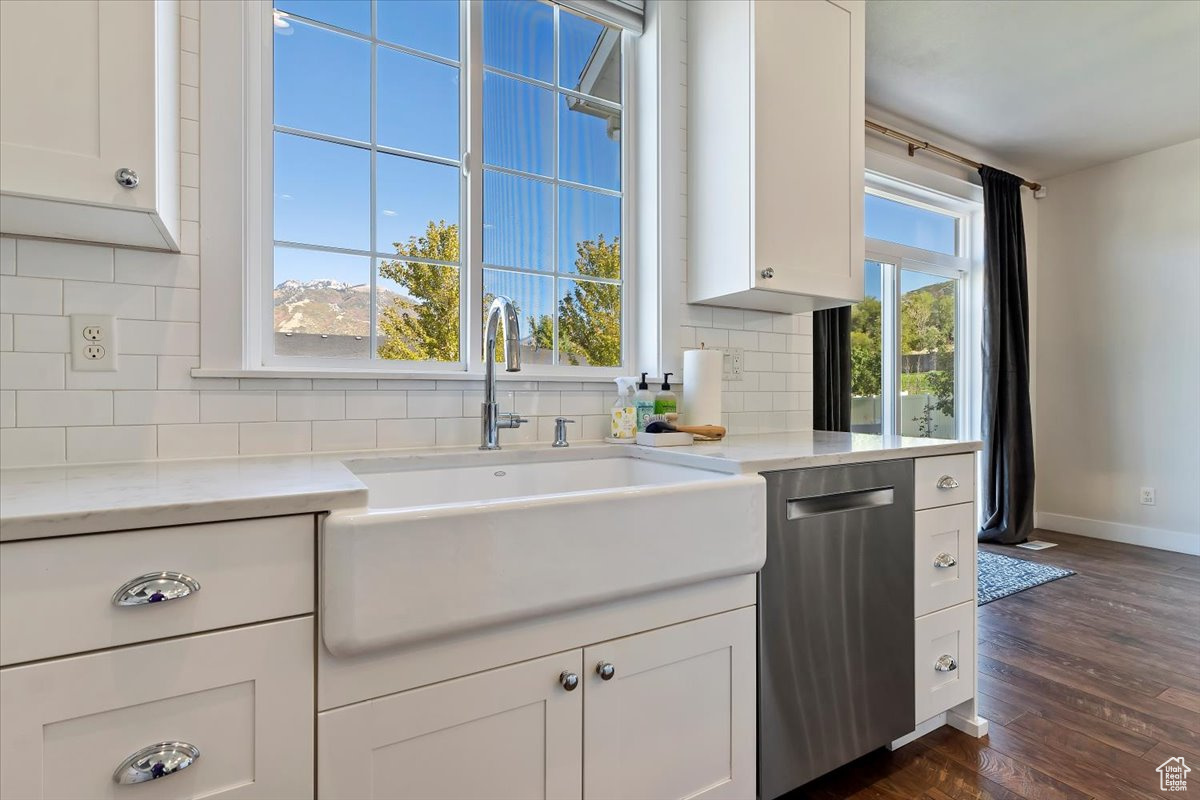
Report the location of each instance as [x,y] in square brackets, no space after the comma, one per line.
[235,211]
[964,201]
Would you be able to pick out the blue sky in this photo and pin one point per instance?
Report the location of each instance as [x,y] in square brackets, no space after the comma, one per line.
[893,221]
[322,190]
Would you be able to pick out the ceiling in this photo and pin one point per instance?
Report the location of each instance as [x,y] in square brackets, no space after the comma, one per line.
[1051,86]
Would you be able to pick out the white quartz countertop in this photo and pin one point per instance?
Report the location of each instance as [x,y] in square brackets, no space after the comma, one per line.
[58,501]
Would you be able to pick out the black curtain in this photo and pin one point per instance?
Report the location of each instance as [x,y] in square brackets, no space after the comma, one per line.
[1007,426]
[831,369]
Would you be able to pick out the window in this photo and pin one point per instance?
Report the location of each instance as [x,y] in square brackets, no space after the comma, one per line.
[419,171]
[906,363]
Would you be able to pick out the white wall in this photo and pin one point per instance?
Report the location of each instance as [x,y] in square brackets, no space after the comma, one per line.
[1118,349]
[152,407]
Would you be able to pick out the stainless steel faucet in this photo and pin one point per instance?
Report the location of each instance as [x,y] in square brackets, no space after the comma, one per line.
[491,419]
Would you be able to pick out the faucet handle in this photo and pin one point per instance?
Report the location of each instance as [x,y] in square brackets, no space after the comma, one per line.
[560,431]
[511,419]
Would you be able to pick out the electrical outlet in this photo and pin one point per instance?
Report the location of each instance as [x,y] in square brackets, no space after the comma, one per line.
[93,343]
[1147,496]
[731,364]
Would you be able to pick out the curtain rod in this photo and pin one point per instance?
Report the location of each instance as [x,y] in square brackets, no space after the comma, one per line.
[915,144]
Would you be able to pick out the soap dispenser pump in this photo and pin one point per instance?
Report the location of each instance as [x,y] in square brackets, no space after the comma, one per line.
[664,401]
[643,404]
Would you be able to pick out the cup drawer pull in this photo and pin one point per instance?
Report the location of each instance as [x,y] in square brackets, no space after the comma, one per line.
[944,561]
[945,663]
[156,761]
[947,482]
[155,587]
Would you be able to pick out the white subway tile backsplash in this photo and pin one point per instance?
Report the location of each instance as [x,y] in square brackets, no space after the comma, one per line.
[42,259]
[755,361]
[733,318]
[8,408]
[772,342]
[32,447]
[376,405]
[435,404]
[402,433]
[458,431]
[348,384]
[189,205]
[6,331]
[275,384]
[785,362]
[32,370]
[760,320]
[344,434]
[785,401]
[133,372]
[747,340]
[264,438]
[189,69]
[155,408]
[772,381]
[175,372]
[147,337]
[8,256]
[124,301]
[35,333]
[112,443]
[157,269]
[757,401]
[177,305]
[189,34]
[237,406]
[23,295]
[535,404]
[198,441]
[310,405]
[578,403]
[46,409]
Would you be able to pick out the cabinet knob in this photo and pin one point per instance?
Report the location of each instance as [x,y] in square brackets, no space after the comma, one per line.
[126,177]
[569,680]
[769,272]
[947,482]
[156,587]
[156,761]
[606,671]
[945,663]
[944,561]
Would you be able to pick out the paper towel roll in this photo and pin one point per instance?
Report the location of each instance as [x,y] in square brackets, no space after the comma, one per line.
[702,386]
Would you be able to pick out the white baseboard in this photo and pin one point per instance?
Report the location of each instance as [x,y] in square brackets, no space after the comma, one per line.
[928,726]
[1158,538]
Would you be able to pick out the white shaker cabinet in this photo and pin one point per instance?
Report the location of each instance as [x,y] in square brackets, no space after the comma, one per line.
[775,153]
[512,732]
[676,717]
[89,120]
[242,698]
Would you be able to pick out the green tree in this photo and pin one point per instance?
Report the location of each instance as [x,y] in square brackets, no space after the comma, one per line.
[866,348]
[589,315]
[428,332]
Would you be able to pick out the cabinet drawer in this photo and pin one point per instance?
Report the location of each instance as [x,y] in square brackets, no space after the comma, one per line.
[944,557]
[242,698]
[247,571]
[945,639]
[945,480]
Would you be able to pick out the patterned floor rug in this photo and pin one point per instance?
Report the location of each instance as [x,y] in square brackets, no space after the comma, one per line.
[1000,576]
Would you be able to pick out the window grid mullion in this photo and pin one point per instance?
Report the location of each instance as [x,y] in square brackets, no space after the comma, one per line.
[554,199]
[372,309]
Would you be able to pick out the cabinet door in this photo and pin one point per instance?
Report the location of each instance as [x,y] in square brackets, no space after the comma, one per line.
[512,732]
[808,147]
[78,92]
[243,698]
[677,717]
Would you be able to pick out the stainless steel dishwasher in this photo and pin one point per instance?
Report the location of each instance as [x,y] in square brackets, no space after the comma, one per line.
[835,619]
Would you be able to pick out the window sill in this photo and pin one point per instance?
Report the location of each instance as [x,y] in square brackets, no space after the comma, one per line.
[379,375]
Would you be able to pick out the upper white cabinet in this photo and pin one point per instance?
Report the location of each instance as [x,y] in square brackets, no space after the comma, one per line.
[775,153]
[89,99]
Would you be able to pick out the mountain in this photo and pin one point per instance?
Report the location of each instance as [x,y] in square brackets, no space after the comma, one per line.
[329,307]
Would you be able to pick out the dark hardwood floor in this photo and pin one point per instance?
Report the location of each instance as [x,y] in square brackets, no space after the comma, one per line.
[1089,683]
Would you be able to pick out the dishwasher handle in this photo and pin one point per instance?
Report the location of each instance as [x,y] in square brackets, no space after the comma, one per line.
[839,503]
